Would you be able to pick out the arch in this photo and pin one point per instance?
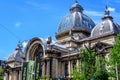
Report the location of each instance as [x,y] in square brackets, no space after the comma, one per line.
[32,45]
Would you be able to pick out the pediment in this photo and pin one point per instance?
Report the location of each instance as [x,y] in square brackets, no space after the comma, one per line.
[101,47]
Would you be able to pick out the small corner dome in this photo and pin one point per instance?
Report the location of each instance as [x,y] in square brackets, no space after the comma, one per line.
[76,20]
[17,55]
[107,25]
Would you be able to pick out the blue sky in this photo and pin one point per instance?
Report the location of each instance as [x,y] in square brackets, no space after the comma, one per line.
[22,20]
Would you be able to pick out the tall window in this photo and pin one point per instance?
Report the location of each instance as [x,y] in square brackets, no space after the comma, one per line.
[66,69]
[51,68]
[17,75]
[74,64]
[8,75]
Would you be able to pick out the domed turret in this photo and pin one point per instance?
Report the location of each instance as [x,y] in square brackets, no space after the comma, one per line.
[17,55]
[106,25]
[75,21]
[76,7]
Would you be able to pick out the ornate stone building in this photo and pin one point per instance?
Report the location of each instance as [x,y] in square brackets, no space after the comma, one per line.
[47,59]
[13,67]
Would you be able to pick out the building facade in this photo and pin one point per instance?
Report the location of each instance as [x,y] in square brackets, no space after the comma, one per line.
[13,67]
[45,58]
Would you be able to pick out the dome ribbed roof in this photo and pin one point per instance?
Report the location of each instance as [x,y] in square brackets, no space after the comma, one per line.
[76,20]
[106,25]
[17,55]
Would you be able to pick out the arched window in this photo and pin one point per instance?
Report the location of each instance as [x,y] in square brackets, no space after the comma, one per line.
[38,64]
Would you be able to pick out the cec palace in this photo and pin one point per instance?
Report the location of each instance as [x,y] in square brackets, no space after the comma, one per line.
[45,58]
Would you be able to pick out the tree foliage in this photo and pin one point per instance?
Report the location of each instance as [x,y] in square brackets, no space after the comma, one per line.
[101,75]
[1,73]
[115,57]
[115,52]
[91,66]
[86,69]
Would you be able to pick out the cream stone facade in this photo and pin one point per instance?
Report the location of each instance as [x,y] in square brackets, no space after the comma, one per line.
[57,59]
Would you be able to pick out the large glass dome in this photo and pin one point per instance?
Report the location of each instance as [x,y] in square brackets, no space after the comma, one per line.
[76,20]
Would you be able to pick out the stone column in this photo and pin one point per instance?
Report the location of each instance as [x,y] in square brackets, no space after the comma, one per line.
[10,76]
[59,69]
[15,75]
[48,68]
[43,69]
[20,75]
[78,62]
[63,69]
[14,78]
[69,68]
[5,76]
[54,68]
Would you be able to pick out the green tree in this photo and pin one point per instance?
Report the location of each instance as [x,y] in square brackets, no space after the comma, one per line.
[92,66]
[1,73]
[101,75]
[86,68]
[115,58]
[101,72]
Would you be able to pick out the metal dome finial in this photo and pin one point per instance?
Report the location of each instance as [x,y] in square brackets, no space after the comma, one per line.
[106,7]
[107,12]
[76,1]
[19,45]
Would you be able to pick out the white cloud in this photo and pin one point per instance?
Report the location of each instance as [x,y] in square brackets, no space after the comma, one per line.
[34,4]
[94,13]
[5,58]
[111,9]
[18,24]
[25,44]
